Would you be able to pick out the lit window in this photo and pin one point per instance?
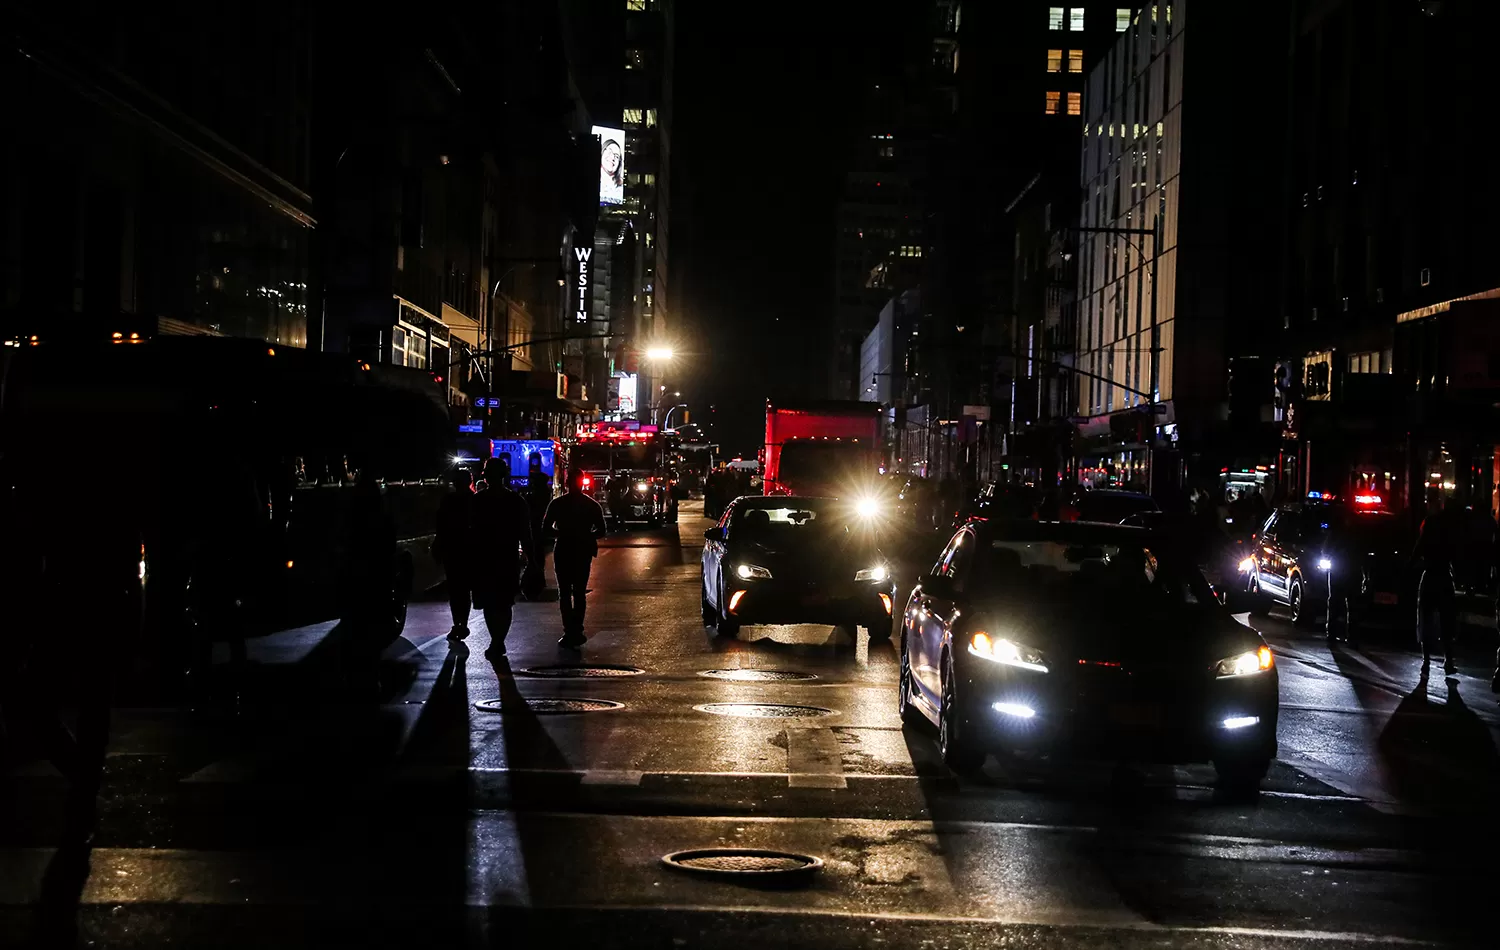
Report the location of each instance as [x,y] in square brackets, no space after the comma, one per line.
[650,118]
[1075,103]
[635,4]
[1122,19]
[1054,60]
[1054,18]
[1075,19]
[632,117]
[1053,99]
[1075,60]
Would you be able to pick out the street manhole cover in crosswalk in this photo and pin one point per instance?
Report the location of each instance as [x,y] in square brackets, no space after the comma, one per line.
[547,707]
[751,864]
[757,676]
[576,671]
[764,710]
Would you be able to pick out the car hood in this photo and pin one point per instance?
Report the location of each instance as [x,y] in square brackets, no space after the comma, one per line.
[1070,631]
[817,558]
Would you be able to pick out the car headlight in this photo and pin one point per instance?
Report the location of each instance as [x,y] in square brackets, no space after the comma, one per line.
[1324,564]
[867,507]
[748,572]
[877,574]
[1008,652]
[641,487]
[1247,565]
[1244,664]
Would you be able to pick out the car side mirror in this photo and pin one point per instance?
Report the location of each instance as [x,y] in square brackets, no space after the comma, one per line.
[714,534]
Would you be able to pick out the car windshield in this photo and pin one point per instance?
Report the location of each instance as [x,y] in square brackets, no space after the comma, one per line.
[787,523]
[1118,573]
[1111,509]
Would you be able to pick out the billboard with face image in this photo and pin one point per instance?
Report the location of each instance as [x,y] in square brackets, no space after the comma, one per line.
[611,164]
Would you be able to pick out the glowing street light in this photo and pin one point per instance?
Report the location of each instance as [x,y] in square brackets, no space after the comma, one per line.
[659,353]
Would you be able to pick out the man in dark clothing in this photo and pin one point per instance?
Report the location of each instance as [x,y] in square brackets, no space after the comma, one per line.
[577,522]
[454,548]
[502,535]
[1438,547]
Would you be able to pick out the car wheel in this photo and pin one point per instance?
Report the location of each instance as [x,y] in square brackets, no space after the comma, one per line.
[958,754]
[1298,603]
[879,626]
[1260,602]
[1241,774]
[710,615]
[904,705]
[727,626]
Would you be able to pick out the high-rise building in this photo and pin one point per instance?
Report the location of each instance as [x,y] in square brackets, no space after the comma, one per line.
[1173,259]
[1392,271]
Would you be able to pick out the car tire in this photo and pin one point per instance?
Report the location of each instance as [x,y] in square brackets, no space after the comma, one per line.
[957,752]
[1296,599]
[910,714]
[710,615]
[1260,602]
[727,626]
[1242,773]
[879,626]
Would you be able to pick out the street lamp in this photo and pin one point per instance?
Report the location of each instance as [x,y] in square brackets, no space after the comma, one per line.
[659,354]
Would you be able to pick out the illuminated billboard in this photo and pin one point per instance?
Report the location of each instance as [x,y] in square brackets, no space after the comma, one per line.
[628,393]
[611,165]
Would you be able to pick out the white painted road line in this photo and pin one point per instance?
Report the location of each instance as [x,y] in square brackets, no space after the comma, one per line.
[814,758]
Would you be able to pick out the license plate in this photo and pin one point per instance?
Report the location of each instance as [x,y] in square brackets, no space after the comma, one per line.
[1385,598]
[1135,715]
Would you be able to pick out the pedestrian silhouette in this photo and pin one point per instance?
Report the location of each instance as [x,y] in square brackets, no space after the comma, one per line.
[1438,548]
[576,521]
[502,538]
[453,547]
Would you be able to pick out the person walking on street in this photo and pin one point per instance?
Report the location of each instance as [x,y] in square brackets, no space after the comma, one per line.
[454,548]
[577,522]
[1437,549]
[502,536]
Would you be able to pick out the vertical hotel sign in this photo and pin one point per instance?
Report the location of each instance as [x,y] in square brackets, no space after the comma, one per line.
[581,310]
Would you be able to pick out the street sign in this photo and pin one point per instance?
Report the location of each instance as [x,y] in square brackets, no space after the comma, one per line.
[471,427]
[487,402]
[981,413]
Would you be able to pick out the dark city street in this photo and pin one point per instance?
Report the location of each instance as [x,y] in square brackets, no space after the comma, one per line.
[657,474]
[435,815]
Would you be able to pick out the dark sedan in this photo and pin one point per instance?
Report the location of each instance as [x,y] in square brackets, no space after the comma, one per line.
[788,559]
[1085,639]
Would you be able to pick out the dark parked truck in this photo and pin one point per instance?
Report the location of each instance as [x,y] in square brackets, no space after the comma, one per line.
[821,448]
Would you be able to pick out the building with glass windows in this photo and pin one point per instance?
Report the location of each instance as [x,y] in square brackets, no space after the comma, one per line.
[1178,238]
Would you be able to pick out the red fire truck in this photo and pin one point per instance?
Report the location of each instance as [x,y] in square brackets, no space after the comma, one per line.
[625,465]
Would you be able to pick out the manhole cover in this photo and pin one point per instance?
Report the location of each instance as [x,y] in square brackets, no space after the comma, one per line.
[749,863]
[565,671]
[757,676]
[545,707]
[763,710]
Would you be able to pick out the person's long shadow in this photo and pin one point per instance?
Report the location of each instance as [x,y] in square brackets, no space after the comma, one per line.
[1441,756]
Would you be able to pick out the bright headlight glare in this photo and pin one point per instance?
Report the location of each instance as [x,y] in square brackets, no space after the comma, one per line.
[1244,664]
[1247,565]
[751,572]
[867,507]
[641,486]
[877,573]
[1008,652]
[1324,564]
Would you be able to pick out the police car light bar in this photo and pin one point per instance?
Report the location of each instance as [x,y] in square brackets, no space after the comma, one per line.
[1367,499]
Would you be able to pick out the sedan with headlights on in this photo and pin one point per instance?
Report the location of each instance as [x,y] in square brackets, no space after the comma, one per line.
[1084,639]
[788,559]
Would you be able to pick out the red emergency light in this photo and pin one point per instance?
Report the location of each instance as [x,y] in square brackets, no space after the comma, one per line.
[587,483]
[1367,499]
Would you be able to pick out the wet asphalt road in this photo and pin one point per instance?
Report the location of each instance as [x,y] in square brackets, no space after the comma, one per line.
[310,819]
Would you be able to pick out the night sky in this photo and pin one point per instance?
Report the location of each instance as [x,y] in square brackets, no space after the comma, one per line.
[760,138]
